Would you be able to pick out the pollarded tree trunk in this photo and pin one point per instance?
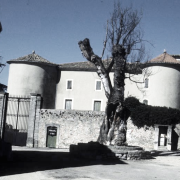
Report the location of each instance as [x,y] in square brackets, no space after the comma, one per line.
[116,115]
[113,128]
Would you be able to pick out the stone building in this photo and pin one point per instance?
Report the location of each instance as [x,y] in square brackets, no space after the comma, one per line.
[76,86]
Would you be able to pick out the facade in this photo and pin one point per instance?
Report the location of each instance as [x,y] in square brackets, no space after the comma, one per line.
[86,91]
[159,88]
[76,86]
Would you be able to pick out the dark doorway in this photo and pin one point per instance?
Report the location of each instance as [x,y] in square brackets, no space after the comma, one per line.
[51,136]
[175,138]
[162,141]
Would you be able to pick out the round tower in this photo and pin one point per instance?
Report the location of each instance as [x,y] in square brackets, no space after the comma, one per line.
[33,74]
[162,87]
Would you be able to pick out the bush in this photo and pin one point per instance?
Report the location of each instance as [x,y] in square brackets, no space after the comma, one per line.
[131,103]
[142,115]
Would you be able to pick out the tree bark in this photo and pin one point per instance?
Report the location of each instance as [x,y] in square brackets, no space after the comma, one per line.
[115,106]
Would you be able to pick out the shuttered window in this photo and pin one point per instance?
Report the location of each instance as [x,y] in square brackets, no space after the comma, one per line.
[98,85]
[145,102]
[69,84]
[146,83]
[97,106]
[68,104]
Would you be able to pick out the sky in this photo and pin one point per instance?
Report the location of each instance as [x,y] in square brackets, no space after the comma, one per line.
[52,28]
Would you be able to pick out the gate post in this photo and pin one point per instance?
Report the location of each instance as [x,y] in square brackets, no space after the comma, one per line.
[169,138]
[35,104]
[156,137]
[3,112]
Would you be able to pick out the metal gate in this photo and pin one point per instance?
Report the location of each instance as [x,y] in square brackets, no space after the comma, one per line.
[16,120]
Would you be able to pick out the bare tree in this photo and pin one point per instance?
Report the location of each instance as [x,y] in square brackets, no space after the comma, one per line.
[1,65]
[0,27]
[125,39]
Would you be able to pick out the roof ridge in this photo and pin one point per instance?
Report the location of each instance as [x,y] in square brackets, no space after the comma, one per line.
[85,61]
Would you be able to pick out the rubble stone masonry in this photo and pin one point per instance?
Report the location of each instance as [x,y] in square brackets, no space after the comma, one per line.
[83,126]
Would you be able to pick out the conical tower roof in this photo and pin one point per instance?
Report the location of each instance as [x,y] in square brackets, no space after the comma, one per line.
[164,58]
[34,58]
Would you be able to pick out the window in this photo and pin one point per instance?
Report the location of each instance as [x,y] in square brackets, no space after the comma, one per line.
[97,106]
[146,83]
[69,84]
[98,85]
[68,103]
[145,102]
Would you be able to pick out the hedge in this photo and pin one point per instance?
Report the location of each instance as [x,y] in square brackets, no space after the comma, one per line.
[142,114]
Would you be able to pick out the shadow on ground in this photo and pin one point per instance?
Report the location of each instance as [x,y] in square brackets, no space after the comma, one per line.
[31,161]
[165,153]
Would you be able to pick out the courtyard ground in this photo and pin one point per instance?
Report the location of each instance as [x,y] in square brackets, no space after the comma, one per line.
[50,164]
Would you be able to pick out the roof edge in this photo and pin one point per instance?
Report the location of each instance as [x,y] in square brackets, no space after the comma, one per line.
[31,62]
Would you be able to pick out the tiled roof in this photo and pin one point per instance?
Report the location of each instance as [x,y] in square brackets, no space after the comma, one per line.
[88,66]
[32,58]
[78,66]
[164,58]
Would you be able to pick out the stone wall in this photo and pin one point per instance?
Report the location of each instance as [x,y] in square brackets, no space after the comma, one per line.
[72,126]
[143,137]
[83,126]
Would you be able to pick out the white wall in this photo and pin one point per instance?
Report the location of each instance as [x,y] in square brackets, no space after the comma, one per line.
[163,90]
[83,93]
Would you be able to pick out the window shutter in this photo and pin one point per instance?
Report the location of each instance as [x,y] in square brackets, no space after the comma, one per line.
[146,83]
[68,104]
[97,105]
[69,84]
[145,102]
[98,85]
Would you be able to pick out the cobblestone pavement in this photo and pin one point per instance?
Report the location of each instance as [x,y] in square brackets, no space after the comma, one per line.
[55,164]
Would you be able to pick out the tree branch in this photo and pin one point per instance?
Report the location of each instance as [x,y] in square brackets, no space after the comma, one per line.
[0,27]
[110,66]
[88,53]
[133,68]
[105,41]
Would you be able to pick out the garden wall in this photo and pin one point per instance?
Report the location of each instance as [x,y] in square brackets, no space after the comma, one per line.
[82,126]
[143,137]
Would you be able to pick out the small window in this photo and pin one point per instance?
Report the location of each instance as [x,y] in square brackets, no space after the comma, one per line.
[146,83]
[69,84]
[97,106]
[68,103]
[145,102]
[98,85]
